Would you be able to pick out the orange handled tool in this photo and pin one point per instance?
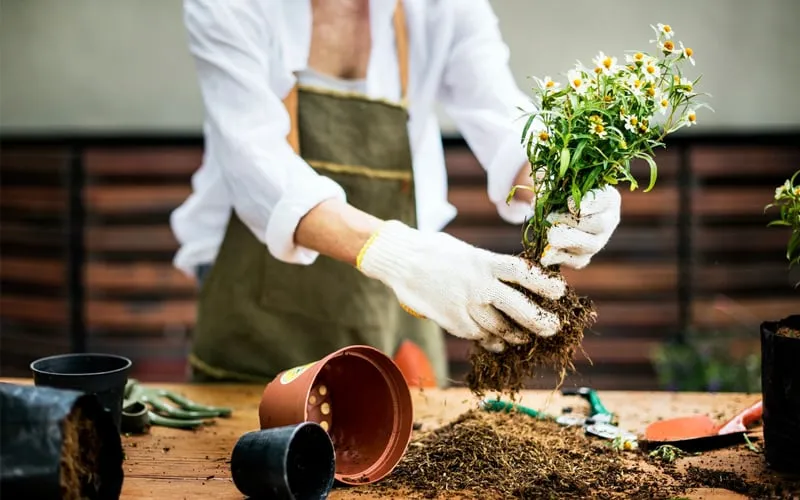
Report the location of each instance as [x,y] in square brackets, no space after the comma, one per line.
[700,431]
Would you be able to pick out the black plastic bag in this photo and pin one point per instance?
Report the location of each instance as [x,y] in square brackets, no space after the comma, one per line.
[57,444]
[780,381]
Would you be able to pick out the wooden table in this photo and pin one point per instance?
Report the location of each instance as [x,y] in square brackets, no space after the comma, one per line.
[170,463]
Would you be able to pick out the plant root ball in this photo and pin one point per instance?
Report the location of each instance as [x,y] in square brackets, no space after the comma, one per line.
[507,371]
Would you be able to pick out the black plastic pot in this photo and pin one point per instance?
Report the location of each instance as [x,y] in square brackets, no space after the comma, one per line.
[295,462]
[32,438]
[780,387]
[103,375]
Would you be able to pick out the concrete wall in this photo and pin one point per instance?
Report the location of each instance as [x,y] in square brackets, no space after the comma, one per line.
[116,66]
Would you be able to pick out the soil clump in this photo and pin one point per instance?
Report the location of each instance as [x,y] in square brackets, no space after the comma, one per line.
[508,371]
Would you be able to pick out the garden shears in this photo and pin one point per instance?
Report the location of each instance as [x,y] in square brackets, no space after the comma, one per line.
[145,406]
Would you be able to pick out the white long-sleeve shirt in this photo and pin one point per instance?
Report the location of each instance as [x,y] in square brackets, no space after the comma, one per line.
[247,53]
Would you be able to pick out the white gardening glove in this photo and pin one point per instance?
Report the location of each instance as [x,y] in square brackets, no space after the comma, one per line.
[459,286]
[574,240]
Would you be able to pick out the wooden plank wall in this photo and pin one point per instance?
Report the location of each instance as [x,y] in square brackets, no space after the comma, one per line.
[137,304]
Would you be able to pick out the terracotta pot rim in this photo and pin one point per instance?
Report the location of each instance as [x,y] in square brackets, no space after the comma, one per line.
[402,427]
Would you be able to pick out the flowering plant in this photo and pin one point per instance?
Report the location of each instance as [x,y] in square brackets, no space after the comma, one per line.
[583,136]
[787,198]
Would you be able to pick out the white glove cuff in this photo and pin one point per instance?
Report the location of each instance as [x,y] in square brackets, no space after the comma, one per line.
[383,254]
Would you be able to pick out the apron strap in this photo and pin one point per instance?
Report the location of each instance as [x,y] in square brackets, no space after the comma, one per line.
[401,36]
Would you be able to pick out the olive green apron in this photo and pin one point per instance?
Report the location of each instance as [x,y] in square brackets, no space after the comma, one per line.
[258,316]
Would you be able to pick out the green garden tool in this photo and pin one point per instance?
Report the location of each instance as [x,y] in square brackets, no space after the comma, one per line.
[145,406]
[497,405]
[598,414]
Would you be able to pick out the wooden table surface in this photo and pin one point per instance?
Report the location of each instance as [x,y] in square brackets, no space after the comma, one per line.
[170,463]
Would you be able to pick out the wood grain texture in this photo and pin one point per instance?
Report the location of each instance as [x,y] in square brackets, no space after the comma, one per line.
[176,464]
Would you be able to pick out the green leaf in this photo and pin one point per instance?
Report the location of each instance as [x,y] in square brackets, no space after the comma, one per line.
[778,223]
[527,127]
[653,171]
[576,194]
[564,162]
[578,152]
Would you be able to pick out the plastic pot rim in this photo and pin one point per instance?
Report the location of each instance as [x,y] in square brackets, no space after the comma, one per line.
[127,363]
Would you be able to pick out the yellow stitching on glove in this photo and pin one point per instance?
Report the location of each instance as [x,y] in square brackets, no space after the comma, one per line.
[411,311]
[364,249]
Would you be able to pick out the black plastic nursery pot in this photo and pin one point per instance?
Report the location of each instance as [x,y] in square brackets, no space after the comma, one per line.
[293,462]
[780,387]
[103,375]
[57,444]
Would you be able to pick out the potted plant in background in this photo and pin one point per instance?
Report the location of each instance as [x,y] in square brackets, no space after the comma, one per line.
[780,352]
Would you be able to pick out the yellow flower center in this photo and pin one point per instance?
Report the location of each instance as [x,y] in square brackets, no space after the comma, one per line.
[676,79]
[595,119]
[651,91]
[639,56]
[669,46]
[634,121]
[549,84]
[598,70]
[577,82]
[664,103]
[667,28]
[689,52]
[651,69]
[598,129]
[543,136]
[637,84]
[692,117]
[607,98]
[631,67]
[607,62]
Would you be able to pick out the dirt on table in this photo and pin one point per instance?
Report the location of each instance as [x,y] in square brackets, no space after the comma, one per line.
[490,455]
[508,371]
[785,331]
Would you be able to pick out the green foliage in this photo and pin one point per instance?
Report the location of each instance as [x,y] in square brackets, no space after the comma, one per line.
[705,363]
[787,199]
[584,136]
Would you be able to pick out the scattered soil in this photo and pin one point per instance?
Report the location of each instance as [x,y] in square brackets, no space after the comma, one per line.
[509,455]
[508,371]
[785,331]
[80,458]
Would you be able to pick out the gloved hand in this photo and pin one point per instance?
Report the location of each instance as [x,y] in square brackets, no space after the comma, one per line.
[143,406]
[575,239]
[459,286]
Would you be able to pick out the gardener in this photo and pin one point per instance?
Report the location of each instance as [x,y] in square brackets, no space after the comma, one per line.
[322,194]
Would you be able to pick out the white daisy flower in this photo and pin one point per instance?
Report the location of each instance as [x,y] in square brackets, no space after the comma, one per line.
[638,58]
[690,118]
[631,122]
[541,137]
[662,102]
[577,81]
[665,30]
[547,84]
[605,64]
[687,53]
[667,46]
[651,71]
[781,190]
[597,127]
[635,84]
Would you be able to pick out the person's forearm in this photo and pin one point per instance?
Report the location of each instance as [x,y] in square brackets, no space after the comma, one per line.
[336,229]
[524,179]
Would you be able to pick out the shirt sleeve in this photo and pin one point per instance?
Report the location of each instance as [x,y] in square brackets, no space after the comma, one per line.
[270,186]
[479,93]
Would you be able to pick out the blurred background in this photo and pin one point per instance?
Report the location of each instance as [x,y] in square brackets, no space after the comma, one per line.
[100,131]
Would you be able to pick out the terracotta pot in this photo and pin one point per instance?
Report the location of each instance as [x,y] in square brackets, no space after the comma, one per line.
[780,392]
[360,397]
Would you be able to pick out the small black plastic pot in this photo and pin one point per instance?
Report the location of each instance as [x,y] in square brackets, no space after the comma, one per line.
[295,462]
[103,375]
[32,441]
[780,388]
